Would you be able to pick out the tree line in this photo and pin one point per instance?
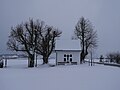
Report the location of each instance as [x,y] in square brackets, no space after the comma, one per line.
[114,57]
[35,37]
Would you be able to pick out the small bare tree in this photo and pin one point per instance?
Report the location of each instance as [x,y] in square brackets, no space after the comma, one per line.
[88,37]
[114,57]
[33,37]
[110,57]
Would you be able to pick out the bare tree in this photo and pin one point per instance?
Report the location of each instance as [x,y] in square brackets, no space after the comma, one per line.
[114,57]
[88,37]
[110,57]
[32,37]
[46,42]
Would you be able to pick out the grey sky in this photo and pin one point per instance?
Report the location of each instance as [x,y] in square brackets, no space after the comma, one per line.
[64,14]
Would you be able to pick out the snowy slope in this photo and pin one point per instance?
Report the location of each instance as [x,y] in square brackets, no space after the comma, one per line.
[80,77]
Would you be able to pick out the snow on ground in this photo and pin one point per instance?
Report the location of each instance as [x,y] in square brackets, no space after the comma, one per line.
[72,77]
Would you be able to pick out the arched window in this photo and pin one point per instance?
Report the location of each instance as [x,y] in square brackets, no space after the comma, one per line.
[67,58]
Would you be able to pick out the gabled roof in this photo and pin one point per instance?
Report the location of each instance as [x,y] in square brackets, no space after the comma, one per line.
[67,45]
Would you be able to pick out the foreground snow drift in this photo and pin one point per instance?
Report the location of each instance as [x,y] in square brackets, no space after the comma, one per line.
[79,77]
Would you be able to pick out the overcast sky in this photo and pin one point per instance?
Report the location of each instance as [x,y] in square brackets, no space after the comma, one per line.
[64,14]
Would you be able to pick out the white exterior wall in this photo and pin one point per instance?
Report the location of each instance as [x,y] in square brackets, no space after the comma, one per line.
[75,56]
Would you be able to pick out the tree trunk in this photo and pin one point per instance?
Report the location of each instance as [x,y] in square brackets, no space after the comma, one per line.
[45,60]
[31,61]
[81,57]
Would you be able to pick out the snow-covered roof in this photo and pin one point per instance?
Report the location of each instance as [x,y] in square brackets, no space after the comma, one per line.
[68,45]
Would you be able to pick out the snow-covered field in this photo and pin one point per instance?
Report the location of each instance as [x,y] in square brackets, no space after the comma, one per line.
[72,77]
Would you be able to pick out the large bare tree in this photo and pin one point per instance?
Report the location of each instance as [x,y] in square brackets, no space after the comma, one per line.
[46,42]
[33,37]
[88,37]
